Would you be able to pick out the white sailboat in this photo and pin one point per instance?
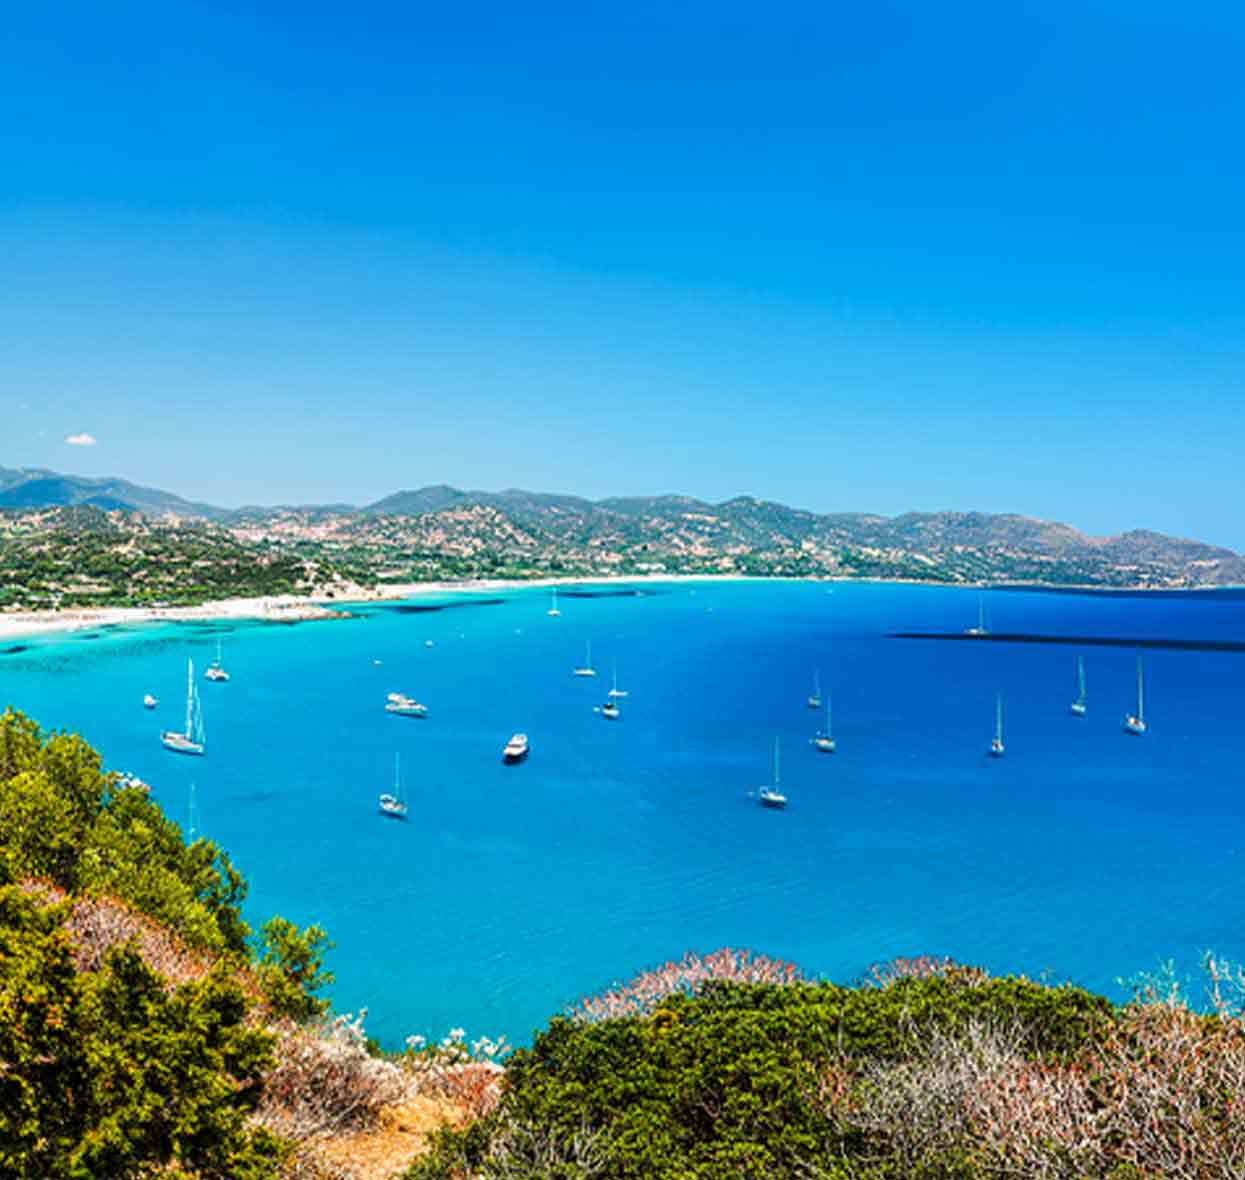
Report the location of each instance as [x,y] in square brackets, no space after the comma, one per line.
[553,611]
[825,741]
[1135,723]
[216,670]
[1078,707]
[980,629]
[393,805]
[814,700]
[587,669]
[149,702]
[996,743]
[616,693]
[193,740]
[610,710]
[772,796]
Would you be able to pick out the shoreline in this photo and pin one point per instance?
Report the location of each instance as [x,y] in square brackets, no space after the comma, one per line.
[298,608]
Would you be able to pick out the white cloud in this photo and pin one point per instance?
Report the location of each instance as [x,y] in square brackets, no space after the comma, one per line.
[80,440]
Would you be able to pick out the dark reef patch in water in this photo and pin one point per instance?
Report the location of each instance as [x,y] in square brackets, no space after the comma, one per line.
[1157,593]
[15,649]
[1078,640]
[432,608]
[626,592]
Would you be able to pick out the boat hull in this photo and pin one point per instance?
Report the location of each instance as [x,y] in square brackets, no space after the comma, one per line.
[179,744]
[1077,709]
[391,807]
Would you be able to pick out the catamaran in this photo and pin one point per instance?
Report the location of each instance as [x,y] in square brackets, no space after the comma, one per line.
[980,629]
[1135,723]
[996,743]
[1078,706]
[825,741]
[814,700]
[516,748]
[553,611]
[216,670]
[587,669]
[771,796]
[193,740]
[393,805]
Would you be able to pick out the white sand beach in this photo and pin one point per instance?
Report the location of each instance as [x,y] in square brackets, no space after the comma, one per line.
[293,608]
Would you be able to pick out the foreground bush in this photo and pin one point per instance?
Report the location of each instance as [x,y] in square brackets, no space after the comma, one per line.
[926,1070]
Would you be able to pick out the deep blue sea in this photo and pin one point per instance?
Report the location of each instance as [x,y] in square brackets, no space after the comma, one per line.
[511,891]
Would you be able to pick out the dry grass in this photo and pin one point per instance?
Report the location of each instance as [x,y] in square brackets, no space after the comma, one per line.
[98,923]
[379,1152]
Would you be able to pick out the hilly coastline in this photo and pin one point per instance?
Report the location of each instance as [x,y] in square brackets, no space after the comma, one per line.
[70,541]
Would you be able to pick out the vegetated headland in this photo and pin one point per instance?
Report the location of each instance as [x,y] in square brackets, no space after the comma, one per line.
[146,1030]
[72,543]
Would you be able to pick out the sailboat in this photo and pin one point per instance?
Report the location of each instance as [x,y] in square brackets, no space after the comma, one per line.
[1135,723]
[825,741]
[616,693]
[980,629]
[814,700]
[192,741]
[996,743]
[1078,706]
[771,796]
[587,669]
[150,702]
[392,805]
[553,611]
[610,710]
[216,670]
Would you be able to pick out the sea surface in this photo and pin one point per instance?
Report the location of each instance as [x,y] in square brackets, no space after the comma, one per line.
[512,891]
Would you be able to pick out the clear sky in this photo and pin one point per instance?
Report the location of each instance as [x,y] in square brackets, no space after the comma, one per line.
[853,257]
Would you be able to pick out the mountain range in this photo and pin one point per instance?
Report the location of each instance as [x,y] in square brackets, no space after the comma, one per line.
[543,531]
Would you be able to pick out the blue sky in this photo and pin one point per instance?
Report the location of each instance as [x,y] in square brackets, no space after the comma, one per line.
[870,257]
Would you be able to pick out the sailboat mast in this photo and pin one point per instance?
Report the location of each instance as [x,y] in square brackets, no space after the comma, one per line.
[190,699]
[776,775]
[1141,696]
[998,717]
[1080,679]
[829,732]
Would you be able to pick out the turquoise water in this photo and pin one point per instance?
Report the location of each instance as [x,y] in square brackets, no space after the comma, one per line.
[511,891]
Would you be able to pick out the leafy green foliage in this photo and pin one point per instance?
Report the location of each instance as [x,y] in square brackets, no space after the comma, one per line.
[115,1073]
[62,821]
[292,969]
[107,1067]
[731,1082]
